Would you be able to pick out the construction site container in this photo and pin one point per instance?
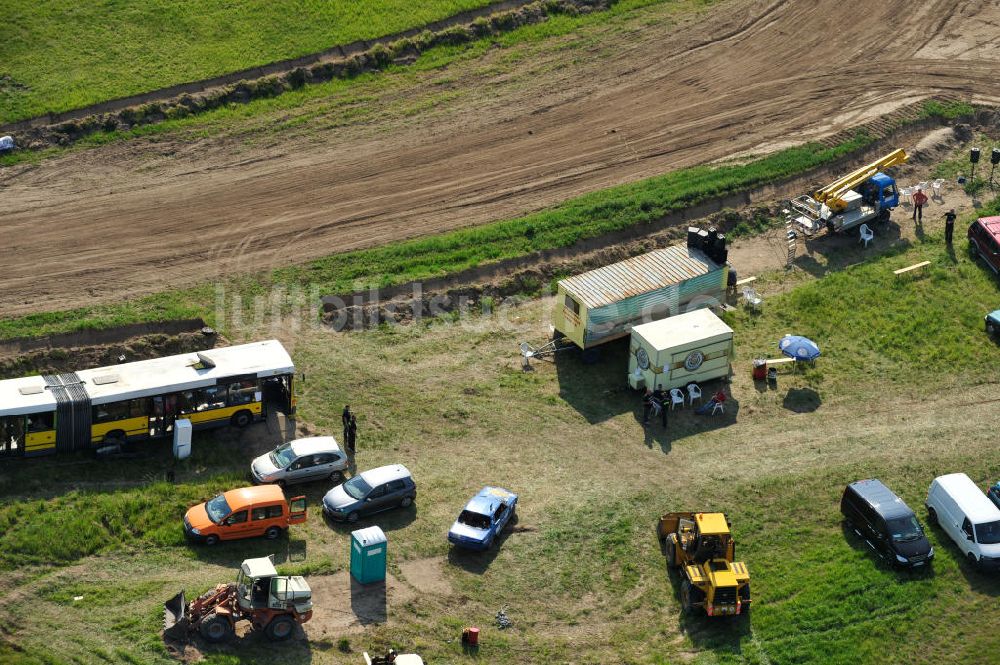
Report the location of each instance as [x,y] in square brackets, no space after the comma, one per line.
[688,348]
[368,550]
[604,304]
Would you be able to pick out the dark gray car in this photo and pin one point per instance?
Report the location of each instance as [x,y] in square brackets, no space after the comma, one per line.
[371,492]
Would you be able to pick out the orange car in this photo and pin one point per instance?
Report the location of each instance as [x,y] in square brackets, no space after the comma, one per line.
[243,513]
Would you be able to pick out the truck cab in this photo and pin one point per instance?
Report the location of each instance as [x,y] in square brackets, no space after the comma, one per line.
[880,190]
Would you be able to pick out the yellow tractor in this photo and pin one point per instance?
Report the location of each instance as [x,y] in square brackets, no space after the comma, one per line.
[702,547]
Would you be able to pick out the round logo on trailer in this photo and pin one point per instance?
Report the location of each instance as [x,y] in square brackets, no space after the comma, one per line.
[642,358]
[694,360]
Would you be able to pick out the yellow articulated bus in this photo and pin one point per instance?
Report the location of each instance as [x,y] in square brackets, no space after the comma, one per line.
[233,385]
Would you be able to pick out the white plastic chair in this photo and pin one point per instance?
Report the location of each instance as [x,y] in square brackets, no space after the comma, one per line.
[751,298]
[922,185]
[866,234]
[676,397]
[694,393]
[936,186]
[907,192]
[719,406]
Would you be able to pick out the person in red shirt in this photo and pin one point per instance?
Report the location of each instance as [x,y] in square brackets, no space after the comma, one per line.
[919,199]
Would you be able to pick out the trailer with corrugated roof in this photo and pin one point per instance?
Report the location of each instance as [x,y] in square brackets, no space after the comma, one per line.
[605,304]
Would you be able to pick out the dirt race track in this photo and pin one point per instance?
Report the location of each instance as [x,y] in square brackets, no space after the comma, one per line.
[92,226]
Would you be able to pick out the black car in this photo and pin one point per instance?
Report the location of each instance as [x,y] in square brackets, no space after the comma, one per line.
[886,523]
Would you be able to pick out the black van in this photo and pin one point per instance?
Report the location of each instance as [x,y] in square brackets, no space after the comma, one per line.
[886,523]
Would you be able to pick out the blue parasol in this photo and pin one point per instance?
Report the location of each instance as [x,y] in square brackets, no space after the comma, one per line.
[799,347]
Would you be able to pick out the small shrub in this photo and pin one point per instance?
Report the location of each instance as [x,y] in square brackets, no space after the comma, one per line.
[321,72]
[401,47]
[381,55]
[298,77]
[354,66]
[481,27]
[453,36]
[506,21]
[177,112]
[424,40]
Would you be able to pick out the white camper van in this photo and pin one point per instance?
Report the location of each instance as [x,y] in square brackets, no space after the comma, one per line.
[968,517]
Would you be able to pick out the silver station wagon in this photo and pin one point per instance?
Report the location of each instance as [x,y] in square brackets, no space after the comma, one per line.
[300,461]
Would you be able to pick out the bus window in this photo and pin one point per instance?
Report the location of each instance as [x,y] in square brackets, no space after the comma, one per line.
[186,402]
[242,392]
[41,422]
[11,435]
[137,408]
[213,397]
[110,412]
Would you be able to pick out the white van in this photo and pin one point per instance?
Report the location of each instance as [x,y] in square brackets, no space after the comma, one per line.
[968,517]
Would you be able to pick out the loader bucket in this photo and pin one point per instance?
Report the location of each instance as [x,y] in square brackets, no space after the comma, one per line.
[175,618]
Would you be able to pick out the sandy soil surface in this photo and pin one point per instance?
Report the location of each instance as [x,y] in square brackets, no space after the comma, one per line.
[104,224]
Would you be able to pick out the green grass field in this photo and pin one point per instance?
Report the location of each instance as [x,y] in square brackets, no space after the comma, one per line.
[904,391]
[60,55]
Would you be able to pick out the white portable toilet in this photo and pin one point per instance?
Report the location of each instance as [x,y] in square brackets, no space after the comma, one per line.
[182,438]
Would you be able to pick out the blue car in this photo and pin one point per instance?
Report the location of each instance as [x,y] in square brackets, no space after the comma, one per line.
[993,323]
[483,518]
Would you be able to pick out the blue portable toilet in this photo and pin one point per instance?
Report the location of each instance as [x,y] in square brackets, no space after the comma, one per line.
[368,548]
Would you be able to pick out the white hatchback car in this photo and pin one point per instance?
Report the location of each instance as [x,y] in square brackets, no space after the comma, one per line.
[300,461]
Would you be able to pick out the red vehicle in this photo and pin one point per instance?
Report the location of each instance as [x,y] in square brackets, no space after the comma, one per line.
[984,241]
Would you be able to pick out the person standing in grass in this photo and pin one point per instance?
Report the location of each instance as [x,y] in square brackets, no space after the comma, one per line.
[919,199]
[352,435]
[345,420]
[647,406]
[949,226]
[660,400]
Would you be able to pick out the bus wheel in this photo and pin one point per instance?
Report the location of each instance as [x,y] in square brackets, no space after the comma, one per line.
[114,438]
[242,418]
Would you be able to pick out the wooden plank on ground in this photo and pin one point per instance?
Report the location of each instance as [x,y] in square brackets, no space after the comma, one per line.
[915,266]
[746,280]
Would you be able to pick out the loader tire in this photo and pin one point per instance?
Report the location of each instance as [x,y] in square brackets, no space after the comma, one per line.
[215,628]
[280,628]
[671,547]
[687,602]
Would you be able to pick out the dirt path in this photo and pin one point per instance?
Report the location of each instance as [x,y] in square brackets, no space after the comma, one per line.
[88,228]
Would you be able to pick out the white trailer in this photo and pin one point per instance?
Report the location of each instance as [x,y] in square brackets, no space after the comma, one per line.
[687,348]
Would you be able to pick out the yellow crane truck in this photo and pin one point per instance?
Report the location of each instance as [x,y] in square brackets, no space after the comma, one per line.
[701,546]
[861,196]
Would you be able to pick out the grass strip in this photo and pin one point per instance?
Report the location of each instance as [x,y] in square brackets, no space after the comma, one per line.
[61,55]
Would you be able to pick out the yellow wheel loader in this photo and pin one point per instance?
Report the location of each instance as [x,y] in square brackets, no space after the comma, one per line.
[702,548]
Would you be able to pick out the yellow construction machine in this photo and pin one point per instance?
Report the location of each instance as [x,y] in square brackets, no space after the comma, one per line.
[702,548]
[861,196]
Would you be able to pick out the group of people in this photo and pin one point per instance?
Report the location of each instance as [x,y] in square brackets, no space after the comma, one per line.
[654,403]
[919,200]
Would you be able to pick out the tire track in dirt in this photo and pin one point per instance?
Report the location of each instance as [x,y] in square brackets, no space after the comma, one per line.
[76,232]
